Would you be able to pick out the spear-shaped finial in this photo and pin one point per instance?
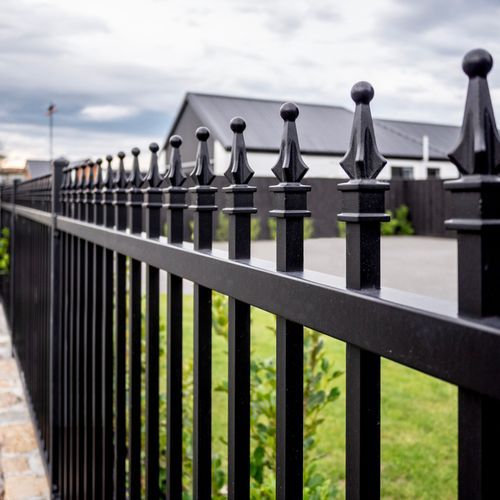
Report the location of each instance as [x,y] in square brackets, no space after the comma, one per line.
[66,177]
[153,178]
[239,171]
[120,180]
[98,182]
[73,176]
[81,175]
[203,174]
[478,149]
[108,183]
[175,174]
[290,167]
[90,174]
[61,165]
[135,178]
[362,160]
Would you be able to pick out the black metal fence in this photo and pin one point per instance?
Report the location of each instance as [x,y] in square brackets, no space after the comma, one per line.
[79,257]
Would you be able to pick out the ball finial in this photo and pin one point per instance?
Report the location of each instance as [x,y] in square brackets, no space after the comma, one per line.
[477,62]
[202,133]
[136,152]
[109,158]
[289,111]
[175,141]
[121,155]
[99,161]
[154,148]
[238,125]
[362,93]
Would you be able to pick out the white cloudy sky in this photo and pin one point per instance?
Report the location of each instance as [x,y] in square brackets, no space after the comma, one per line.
[117,70]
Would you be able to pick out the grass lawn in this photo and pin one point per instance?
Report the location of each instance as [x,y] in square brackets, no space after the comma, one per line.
[419,428]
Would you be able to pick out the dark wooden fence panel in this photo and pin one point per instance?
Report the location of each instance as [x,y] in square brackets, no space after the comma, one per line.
[429,204]
[428,201]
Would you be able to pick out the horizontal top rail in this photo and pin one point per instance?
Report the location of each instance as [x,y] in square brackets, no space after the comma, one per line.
[35,179]
[422,333]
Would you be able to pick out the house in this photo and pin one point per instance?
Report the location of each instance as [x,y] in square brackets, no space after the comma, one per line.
[9,174]
[413,150]
[37,168]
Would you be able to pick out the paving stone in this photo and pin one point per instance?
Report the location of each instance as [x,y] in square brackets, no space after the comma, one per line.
[8,369]
[17,488]
[9,399]
[15,465]
[7,383]
[35,463]
[17,438]
[15,415]
[22,475]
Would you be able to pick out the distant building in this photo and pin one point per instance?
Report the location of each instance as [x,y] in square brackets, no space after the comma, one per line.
[413,150]
[9,174]
[37,168]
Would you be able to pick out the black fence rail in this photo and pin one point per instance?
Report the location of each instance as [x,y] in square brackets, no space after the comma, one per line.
[81,257]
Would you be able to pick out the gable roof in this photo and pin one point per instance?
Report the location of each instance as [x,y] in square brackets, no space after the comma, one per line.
[323,129]
[37,168]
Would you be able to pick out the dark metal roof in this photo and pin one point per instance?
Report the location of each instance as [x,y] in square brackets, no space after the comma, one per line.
[323,130]
[442,138]
[37,168]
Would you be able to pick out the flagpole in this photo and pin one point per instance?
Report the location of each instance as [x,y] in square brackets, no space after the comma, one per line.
[50,112]
[51,135]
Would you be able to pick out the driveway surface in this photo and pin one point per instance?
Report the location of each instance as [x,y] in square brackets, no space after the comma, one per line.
[421,265]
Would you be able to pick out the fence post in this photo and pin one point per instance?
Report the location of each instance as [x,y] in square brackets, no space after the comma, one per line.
[239,210]
[290,202]
[97,278]
[120,352]
[175,205]
[476,218]
[12,260]
[107,341]
[362,211]
[134,204]
[153,197]
[55,325]
[203,204]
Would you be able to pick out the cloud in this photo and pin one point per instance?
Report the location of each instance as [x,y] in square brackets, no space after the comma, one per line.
[107,112]
[32,28]
[74,143]
[121,68]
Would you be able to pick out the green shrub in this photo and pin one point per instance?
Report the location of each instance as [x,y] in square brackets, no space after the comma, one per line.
[271,226]
[4,250]
[308,227]
[222,227]
[319,391]
[191,230]
[255,228]
[341,229]
[398,225]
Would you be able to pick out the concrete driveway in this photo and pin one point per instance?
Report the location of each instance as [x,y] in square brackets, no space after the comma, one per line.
[422,265]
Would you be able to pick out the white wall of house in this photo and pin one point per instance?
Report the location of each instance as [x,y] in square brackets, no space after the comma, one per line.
[329,166]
